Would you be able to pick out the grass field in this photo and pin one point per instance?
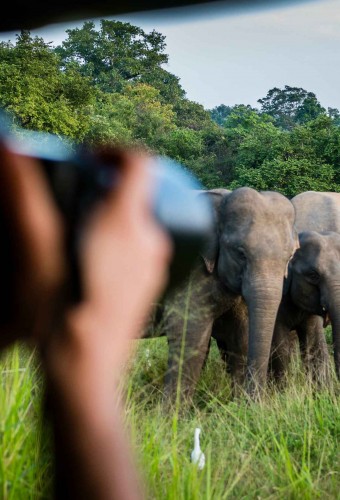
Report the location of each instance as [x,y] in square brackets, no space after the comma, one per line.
[286,447]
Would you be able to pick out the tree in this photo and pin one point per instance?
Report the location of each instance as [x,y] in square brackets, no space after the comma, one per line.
[291,106]
[38,94]
[318,140]
[247,138]
[305,158]
[135,116]
[220,113]
[166,83]
[116,54]
[108,85]
[184,144]
[288,177]
[334,114]
[245,116]
[190,114]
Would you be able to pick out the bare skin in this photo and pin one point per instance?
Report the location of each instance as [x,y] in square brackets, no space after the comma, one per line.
[83,357]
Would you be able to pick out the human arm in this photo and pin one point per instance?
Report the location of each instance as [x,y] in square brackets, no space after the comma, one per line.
[124,261]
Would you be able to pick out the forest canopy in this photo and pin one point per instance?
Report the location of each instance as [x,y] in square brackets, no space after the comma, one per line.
[110,85]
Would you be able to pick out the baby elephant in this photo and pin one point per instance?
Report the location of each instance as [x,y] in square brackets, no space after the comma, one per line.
[311,299]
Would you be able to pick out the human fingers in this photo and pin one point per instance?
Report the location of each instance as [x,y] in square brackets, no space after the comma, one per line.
[33,238]
[30,207]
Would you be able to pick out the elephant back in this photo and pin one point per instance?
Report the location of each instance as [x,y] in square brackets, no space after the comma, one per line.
[317,211]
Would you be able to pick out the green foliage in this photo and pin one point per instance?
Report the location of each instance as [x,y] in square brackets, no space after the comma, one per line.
[40,96]
[319,140]
[109,85]
[306,158]
[288,177]
[244,117]
[106,123]
[249,138]
[192,115]
[291,106]
[220,113]
[134,116]
[204,167]
[334,114]
[184,144]
[117,53]
[170,90]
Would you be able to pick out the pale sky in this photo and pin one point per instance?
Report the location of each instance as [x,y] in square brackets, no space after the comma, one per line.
[235,58]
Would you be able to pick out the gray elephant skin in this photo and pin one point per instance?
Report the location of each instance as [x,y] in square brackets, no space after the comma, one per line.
[308,291]
[234,292]
[314,278]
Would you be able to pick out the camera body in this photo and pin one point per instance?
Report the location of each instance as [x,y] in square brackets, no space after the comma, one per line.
[79,179]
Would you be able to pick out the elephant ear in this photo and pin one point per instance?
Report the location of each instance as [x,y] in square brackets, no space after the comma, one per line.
[210,251]
[287,280]
[288,273]
[296,247]
[296,240]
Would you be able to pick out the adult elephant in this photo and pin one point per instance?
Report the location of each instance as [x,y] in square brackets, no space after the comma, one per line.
[317,211]
[320,212]
[240,277]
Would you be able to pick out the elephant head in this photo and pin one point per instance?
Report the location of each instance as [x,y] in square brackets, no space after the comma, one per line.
[252,245]
[314,280]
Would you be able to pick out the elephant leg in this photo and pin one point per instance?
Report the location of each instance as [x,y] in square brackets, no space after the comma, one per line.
[235,365]
[231,334]
[154,326]
[223,352]
[314,350]
[187,354]
[188,319]
[283,345]
[207,353]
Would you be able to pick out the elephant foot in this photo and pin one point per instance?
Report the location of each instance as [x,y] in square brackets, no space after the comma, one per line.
[177,394]
[238,391]
[254,386]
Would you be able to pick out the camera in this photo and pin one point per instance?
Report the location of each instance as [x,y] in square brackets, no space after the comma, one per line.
[79,179]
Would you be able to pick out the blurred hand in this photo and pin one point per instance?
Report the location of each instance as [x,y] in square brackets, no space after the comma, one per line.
[124,263]
[32,258]
[125,257]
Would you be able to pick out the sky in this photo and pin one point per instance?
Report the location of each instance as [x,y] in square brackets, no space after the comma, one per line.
[236,57]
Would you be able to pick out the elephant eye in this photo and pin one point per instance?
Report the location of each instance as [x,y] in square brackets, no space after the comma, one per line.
[240,253]
[235,251]
[313,276]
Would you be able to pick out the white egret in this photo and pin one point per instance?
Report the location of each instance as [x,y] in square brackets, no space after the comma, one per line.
[197,455]
[147,356]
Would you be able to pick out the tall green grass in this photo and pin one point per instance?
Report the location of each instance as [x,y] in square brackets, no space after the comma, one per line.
[24,452]
[287,446]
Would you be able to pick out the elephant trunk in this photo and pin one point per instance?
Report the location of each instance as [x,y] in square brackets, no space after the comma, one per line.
[334,313]
[263,300]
